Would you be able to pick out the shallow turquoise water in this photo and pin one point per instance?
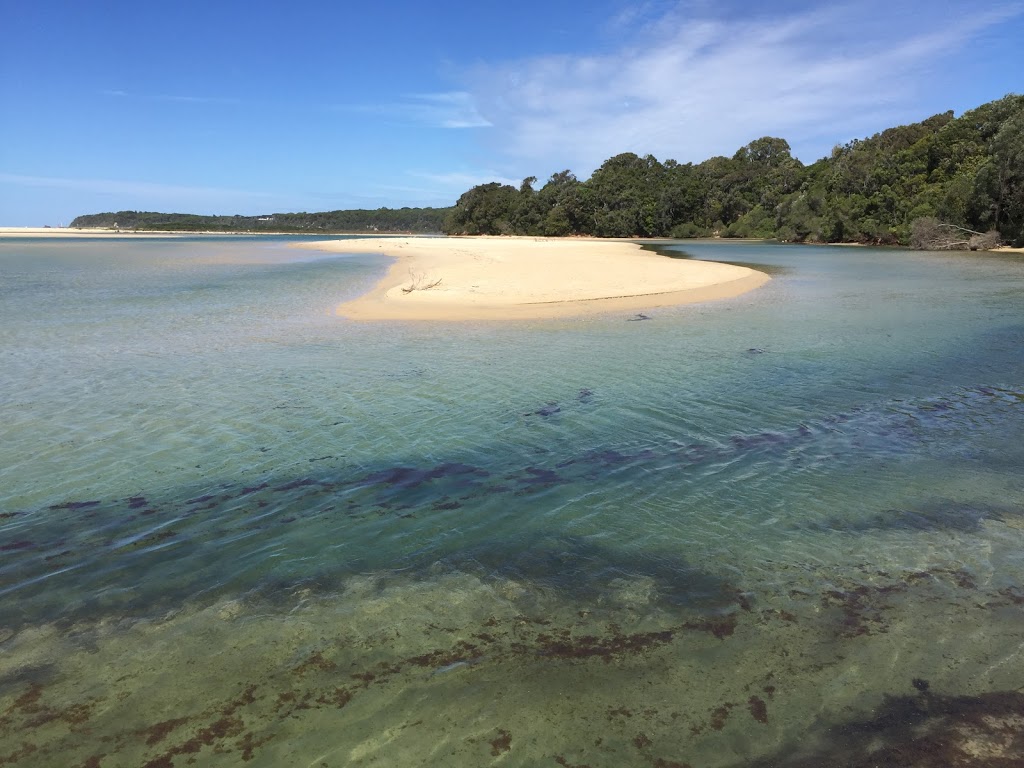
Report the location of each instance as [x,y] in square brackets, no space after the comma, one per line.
[822,475]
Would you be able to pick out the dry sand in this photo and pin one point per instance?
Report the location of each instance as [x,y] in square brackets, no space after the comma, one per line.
[474,278]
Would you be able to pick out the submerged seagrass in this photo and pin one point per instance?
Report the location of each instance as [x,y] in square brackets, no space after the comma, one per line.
[779,529]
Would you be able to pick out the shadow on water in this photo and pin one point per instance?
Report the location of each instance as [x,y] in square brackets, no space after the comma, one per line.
[583,570]
[932,515]
[927,730]
[143,554]
[671,250]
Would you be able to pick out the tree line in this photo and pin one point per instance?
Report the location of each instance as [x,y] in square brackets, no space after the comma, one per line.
[943,182]
[383,220]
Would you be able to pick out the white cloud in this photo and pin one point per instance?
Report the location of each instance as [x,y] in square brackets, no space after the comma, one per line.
[462,180]
[688,85]
[128,189]
[452,109]
[448,110]
[181,99]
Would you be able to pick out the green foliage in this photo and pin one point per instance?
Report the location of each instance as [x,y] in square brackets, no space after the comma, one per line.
[486,209]
[384,220]
[966,171]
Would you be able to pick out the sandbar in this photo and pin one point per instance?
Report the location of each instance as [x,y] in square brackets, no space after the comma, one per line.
[480,278]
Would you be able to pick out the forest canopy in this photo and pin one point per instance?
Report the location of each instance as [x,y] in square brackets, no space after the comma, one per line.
[964,173]
[946,182]
[382,220]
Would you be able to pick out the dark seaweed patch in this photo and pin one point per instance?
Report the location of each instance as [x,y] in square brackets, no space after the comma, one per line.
[501,743]
[934,515]
[922,731]
[759,440]
[34,713]
[539,476]
[719,626]
[860,608]
[315,660]
[720,715]
[304,482]
[406,478]
[337,698]
[758,709]
[586,570]
[16,545]
[562,761]
[159,731]
[642,741]
[227,725]
[445,504]
[562,644]
[18,754]
[76,505]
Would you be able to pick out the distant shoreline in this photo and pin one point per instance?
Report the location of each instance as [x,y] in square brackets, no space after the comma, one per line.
[72,232]
[504,278]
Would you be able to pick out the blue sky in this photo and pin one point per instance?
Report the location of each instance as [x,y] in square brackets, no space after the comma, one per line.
[251,107]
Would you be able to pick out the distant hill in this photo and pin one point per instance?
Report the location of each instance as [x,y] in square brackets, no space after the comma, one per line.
[382,220]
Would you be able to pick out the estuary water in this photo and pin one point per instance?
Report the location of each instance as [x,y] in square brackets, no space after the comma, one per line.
[783,529]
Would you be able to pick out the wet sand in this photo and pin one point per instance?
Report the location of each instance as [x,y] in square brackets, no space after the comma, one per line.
[472,278]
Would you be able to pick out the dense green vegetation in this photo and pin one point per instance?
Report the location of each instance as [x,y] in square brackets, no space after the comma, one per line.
[387,220]
[951,174]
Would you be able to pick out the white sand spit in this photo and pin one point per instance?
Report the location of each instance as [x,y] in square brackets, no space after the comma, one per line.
[472,278]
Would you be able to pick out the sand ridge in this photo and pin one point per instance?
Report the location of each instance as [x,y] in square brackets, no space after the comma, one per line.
[472,278]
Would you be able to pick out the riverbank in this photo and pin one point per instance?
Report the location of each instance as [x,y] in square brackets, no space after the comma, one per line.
[92,232]
[472,278]
[70,233]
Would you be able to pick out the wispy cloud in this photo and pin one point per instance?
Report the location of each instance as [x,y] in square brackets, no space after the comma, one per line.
[688,83]
[130,189]
[168,97]
[462,180]
[452,109]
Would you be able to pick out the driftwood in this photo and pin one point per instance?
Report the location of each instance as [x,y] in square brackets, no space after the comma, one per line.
[419,282]
[930,234]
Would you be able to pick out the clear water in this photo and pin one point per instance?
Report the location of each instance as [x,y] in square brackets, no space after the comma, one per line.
[771,530]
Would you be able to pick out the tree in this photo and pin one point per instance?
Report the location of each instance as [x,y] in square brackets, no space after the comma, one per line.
[486,209]
[1008,157]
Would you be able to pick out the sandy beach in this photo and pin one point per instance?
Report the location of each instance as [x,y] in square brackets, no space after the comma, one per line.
[80,232]
[473,278]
